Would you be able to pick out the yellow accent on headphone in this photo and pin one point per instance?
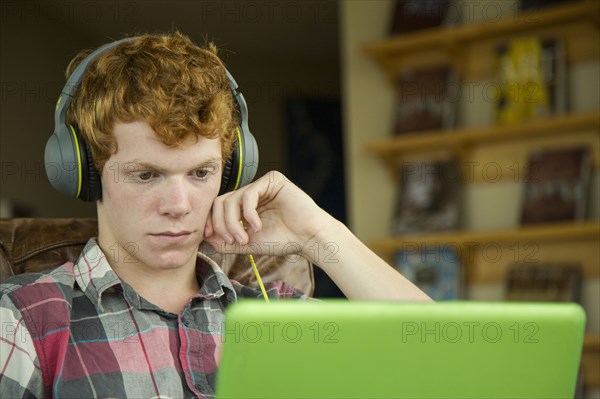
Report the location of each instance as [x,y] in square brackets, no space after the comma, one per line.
[77,150]
[58,103]
[241,162]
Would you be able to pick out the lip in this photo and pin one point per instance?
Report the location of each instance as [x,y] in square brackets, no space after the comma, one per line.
[172,236]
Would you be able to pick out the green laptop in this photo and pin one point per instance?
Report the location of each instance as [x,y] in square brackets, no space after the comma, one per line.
[348,349]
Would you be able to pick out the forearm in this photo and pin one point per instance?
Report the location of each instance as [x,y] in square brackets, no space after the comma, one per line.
[357,270]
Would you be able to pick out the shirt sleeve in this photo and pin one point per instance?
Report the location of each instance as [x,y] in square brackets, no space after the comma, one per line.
[275,290]
[282,290]
[20,372]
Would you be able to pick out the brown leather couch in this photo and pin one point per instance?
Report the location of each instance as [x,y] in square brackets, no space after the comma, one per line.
[32,245]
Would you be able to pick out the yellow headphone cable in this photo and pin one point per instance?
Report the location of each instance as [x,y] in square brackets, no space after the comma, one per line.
[256,273]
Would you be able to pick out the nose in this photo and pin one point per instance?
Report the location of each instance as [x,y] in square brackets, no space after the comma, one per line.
[175,200]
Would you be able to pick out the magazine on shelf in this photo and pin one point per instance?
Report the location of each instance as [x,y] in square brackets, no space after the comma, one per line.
[428,197]
[530,79]
[436,269]
[425,99]
[544,282]
[556,185]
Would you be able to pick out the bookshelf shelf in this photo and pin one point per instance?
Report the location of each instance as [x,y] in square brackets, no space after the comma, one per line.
[459,35]
[522,244]
[573,21]
[433,140]
[487,255]
[550,232]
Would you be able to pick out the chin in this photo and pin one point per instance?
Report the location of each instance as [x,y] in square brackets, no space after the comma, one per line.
[170,254]
[168,264]
[172,259]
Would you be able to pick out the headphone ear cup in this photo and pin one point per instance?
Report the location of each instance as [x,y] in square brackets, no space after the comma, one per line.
[65,159]
[249,159]
[91,185]
[229,176]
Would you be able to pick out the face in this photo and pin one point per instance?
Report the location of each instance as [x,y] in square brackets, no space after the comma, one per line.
[156,199]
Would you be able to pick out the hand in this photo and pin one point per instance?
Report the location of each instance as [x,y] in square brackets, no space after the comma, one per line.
[280,219]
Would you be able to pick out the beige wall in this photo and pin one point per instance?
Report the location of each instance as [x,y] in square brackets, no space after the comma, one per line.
[367,113]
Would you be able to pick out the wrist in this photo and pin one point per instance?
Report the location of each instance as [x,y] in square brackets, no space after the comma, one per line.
[323,247]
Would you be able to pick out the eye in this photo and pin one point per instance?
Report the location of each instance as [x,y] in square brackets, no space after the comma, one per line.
[201,173]
[145,176]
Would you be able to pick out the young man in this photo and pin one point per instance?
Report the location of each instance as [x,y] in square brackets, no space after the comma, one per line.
[140,314]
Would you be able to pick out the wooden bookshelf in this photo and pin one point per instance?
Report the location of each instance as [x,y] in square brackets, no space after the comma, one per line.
[471,49]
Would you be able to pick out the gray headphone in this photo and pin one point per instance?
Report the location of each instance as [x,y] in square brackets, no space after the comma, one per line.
[68,159]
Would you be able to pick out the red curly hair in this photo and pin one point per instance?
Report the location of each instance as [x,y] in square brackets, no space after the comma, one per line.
[179,89]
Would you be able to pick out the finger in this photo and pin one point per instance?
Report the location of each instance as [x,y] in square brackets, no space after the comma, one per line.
[250,205]
[208,229]
[232,214]
[218,220]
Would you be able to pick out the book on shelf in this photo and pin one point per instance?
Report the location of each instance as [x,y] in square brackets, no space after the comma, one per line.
[436,270]
[556,185]
[425,99]
[428,197]
[414,15]
[544,282]
[530,79]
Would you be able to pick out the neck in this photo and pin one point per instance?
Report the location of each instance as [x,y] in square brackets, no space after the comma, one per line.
[174,302]
[170,292]
[169,289]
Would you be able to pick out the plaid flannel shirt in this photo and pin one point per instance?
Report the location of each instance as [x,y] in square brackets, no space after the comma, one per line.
[78,331]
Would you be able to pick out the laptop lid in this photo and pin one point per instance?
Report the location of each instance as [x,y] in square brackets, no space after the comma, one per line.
[347,349]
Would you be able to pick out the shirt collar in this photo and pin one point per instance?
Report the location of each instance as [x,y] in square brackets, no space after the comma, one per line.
[95,276]
[214,282]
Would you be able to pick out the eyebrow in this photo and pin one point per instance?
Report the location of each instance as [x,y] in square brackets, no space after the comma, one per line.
[149,165]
